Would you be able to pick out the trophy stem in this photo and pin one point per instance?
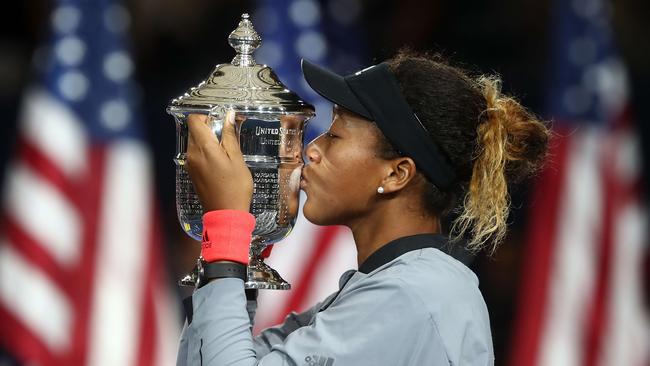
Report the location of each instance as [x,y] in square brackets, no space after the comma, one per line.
[260,275]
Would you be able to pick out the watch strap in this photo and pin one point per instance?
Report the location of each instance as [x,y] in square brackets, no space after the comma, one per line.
[212,270]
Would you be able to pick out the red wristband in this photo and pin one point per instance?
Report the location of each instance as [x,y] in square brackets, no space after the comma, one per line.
[227,235]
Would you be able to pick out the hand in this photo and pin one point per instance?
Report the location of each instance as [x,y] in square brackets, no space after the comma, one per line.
[217,168]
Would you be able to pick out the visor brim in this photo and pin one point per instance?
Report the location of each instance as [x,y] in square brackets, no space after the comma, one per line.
[332,87]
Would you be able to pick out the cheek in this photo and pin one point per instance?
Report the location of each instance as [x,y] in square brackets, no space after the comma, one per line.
[348,170]
[344,187]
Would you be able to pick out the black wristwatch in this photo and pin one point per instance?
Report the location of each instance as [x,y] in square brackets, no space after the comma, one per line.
[207,271]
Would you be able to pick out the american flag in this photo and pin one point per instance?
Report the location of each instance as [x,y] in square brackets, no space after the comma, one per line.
[311,258]
[80,257]
[582,292]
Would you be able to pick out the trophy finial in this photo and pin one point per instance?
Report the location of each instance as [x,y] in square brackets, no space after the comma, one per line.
[245,41]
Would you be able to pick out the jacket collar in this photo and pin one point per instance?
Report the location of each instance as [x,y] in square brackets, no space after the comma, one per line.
[397,247]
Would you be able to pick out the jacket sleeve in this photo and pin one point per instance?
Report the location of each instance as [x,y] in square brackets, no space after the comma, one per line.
[277,334]
[350,332]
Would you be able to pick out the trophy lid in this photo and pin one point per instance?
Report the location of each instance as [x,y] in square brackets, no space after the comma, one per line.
[242,84]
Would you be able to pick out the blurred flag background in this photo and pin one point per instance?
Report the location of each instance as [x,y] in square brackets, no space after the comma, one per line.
[81,269]
[582,292]
[90,246]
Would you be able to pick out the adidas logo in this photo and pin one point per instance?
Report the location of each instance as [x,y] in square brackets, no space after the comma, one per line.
[316,360]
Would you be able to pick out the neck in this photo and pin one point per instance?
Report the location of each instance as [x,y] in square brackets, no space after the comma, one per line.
[384,226]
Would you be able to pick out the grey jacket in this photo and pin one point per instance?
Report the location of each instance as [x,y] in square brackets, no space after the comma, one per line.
[422,307]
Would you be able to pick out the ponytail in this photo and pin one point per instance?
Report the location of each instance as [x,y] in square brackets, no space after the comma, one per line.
[511,144]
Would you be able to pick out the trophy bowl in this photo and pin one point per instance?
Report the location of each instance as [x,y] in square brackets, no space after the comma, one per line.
[270,121]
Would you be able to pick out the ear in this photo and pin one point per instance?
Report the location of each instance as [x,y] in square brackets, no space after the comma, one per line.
[400,172]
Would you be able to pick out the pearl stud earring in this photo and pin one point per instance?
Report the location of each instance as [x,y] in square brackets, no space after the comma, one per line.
[380,190]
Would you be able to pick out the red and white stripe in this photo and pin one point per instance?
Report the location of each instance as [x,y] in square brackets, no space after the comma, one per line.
[581,301]
[80,276]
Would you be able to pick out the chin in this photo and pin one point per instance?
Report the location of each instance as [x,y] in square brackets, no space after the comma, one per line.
[314,213]
[307,212]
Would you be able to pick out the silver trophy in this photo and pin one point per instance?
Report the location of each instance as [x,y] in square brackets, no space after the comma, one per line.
[270,120]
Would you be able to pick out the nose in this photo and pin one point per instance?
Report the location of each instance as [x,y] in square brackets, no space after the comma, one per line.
[312,153]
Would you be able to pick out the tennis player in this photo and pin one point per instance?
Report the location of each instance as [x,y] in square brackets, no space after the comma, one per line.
[411,139]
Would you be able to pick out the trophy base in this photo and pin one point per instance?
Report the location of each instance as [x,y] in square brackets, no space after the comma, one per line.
[263,277]
[260,276]
[189,280]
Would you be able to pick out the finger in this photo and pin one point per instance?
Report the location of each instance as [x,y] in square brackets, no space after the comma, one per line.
[229,139]
[199,132]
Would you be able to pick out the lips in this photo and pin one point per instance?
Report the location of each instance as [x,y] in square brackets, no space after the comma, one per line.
[303,182]
[303,179]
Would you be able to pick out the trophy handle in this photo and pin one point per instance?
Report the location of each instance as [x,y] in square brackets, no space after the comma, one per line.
[189,280]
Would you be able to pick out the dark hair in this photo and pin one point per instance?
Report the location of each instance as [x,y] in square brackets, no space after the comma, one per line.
[490,140]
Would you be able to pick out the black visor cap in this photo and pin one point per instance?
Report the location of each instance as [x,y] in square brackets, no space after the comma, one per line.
[333,88]
[375,94]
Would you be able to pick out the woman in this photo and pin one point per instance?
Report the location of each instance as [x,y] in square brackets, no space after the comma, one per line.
[410,140]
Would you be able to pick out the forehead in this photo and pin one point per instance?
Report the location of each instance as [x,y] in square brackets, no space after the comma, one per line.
[346,118]
[355,127]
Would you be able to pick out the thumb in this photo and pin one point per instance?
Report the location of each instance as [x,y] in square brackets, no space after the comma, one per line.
[229,138]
